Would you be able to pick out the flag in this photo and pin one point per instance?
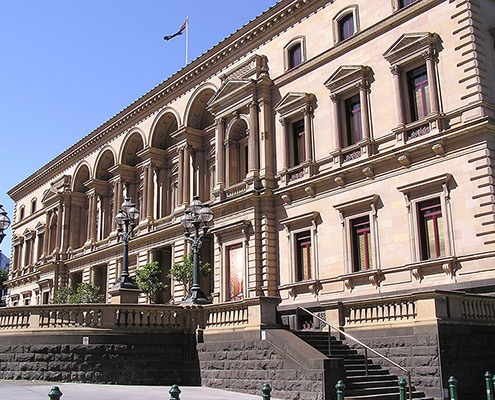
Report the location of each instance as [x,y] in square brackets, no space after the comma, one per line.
[179,32]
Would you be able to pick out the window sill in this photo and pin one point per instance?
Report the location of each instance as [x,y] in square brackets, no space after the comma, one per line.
[296,173]
[312,286]
[353,153]
[414,131]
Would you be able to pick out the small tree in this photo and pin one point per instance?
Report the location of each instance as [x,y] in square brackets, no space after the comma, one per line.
[149,280]
[84,293]
[182,272]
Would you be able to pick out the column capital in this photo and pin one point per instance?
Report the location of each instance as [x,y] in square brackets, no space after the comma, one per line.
[429,54]
[363,85]
[334,97]
[395,70]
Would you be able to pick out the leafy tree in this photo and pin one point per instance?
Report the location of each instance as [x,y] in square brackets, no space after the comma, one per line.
[149,280]
[84,293]
[182,272]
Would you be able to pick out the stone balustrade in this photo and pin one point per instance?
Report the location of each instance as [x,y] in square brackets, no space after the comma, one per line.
[98,316]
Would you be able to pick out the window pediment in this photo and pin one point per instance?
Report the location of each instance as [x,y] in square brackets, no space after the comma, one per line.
[345,76]
[409,44]
[231,93]
[292,102]
[367,203]
[40,227]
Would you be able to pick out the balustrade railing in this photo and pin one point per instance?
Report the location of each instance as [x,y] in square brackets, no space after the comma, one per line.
[227,314]
[107,316]
[380,312]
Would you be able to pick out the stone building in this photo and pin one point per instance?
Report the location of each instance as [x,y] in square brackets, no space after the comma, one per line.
[346,149]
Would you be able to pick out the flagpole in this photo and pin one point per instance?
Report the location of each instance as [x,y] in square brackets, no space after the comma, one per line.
[187,35]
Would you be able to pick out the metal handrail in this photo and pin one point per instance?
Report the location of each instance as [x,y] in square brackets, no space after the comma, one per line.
[366,348]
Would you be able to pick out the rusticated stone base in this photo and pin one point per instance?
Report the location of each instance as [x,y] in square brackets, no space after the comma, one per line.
[133,359]
[415,349]
[245,365]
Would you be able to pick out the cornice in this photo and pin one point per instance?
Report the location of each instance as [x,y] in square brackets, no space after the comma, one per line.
[250,34]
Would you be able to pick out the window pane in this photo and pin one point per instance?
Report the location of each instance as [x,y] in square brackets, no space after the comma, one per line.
[361,239]
[298,143]
[303,256]
[236,269]
[295,56]
[431,229]
[353,118]
[418,93]
[346,27]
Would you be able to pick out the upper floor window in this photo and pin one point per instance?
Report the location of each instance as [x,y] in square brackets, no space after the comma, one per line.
[33,206]
[298,141]
[419,96]
[353,120]
[346,27]
[346,23]
[431,229]
[295,56]
[21,212]
[303,256]
[295,52]
[413,59]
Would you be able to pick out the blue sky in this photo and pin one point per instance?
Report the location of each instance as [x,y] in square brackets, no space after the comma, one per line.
[68,66]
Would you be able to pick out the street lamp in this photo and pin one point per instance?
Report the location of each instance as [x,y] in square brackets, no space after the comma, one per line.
[4,223]
[127,216]
[198,214]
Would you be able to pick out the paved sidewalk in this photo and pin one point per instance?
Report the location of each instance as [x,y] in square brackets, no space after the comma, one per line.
[37,390]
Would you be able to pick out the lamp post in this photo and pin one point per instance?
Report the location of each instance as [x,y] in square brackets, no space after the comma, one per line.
[196,215]
[126,217]
[4,223]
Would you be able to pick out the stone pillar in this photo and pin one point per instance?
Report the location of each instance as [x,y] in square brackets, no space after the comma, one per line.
[150,193]
[336,125]
[365,117]
[187,175]
[66,212]
[285,143]
[180,186]
[144,210]
[307,134]
[253,147]
[219,153]
[430,58]
[60,221]
[47,233]
[228,158]
[399,102]
[92,216]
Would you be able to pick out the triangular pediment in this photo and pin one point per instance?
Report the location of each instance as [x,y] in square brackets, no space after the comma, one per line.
[49,194]
[28,233]
[344,75]
[227,89]
[409,43]
[40,226]
[293,100]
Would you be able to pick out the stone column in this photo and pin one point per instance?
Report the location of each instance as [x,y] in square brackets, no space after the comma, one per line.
[365,117]
[92,216]
[285,143]
[180,186]
[187,175]
[253,149]
[65,240]
[307,134]
[47,233]
[430,58]
[60,221]
[336,125]
[399,102]
[150,193]
[144,210]
[220,153]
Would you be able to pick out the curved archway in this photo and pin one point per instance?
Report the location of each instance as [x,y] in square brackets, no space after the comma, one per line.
[105,161]
[132,145]
[79,210]
[197,116]
[82,175]
[237,151]
[165,124]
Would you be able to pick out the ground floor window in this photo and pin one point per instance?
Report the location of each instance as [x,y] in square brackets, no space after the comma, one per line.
[236,272]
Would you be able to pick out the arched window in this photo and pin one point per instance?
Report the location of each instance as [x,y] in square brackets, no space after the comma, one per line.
[346,27]
[21,213]
[294,53]
[33,206]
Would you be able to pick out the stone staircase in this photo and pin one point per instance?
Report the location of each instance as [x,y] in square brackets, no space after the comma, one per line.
[379,384]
